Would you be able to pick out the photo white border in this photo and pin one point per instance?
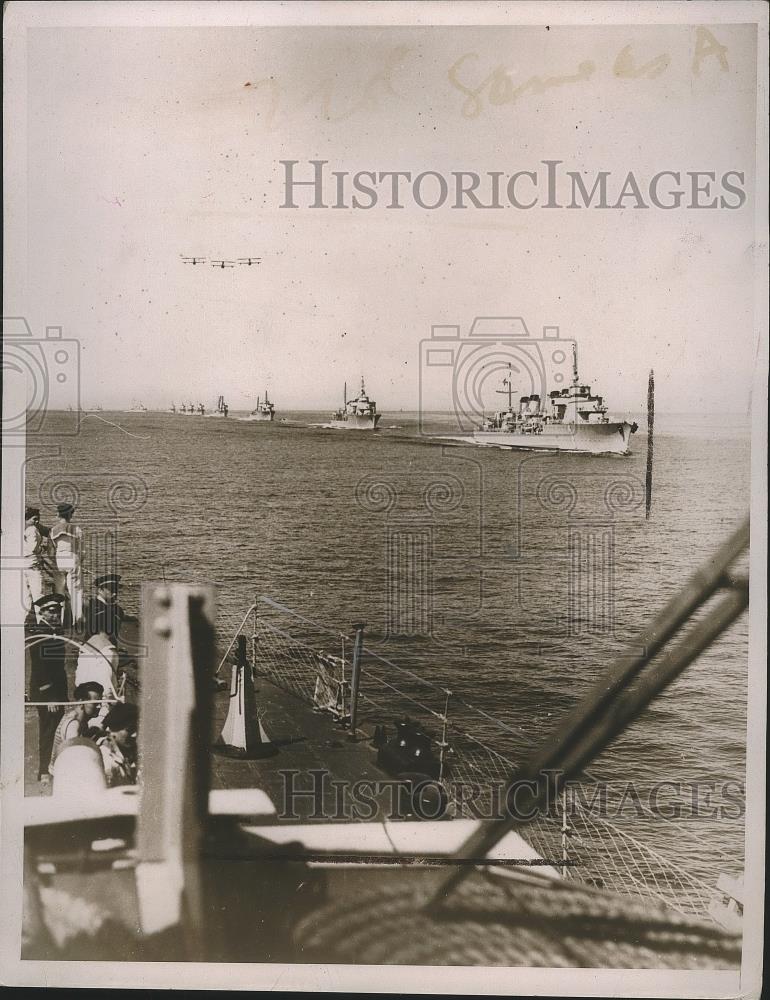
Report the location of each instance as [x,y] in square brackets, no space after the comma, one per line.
[21,16]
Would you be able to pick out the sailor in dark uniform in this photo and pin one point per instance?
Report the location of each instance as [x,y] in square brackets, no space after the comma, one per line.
[48,675]
[103,613]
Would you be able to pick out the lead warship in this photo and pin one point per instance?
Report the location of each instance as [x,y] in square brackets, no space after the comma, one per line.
[357,414]
[572,419]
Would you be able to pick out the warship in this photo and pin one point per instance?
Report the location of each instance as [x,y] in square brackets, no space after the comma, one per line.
[221,409]
[571,419]
[199,410]
[190,409]
[357,414]
[264,410]
[214,857]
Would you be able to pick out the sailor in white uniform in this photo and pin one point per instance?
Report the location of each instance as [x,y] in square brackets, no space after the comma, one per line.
[67,538]
[98,662]
[34,555]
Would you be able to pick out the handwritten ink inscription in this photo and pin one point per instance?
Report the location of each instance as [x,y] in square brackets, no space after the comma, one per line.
[480,88]
[498,87]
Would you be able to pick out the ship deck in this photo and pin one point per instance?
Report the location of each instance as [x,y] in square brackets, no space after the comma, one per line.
[337,910]
[314,755]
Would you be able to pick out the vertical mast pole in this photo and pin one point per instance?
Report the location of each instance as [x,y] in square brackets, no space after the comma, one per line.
[355,678]
[650,445]
[443,745]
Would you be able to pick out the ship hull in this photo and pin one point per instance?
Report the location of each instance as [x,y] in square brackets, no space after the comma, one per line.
[262,418]
[613,438]
[354,422]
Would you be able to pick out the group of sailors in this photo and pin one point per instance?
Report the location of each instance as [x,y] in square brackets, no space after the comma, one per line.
[52,559]
[59,620]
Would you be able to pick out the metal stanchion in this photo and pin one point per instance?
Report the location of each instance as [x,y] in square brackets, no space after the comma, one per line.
[355,679]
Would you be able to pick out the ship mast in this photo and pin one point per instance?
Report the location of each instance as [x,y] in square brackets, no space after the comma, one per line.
[574,365]
[509,382]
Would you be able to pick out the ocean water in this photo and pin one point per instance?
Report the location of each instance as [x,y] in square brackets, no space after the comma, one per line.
[511,578]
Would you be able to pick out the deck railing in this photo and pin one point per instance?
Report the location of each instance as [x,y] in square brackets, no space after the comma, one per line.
[656,858]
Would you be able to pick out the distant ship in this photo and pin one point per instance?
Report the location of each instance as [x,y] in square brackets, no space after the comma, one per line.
[358,414]
[572,420]
[199,410]
[264,411]
[137,408]
[222,409]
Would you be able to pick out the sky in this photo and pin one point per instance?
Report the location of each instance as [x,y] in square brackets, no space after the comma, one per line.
[147,144]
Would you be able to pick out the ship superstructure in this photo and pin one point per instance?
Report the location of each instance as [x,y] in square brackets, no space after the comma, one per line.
[221,409]
[359,413]
[570,419]
[264,410]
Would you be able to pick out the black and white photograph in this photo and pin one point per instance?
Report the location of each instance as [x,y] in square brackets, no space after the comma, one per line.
[384,499]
